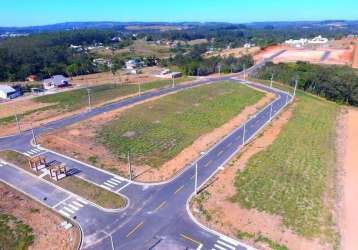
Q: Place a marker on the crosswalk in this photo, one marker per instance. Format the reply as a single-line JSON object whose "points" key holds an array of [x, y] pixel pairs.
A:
{"points": [[112, 183], [33, 152], [225, 243], [72, 207]]}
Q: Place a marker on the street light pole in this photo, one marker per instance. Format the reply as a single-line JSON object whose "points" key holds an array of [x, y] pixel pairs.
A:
{"points": [[17, 123], [89, 98], [129, 167], [294, 91], [271, 80], [139, 89], [33, 134], [244, 72], [196, 178], [219, 69], [173, 81], [271, 107]]}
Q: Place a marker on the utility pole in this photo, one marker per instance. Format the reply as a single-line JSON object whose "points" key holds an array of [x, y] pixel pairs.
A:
{"points": [[244, 72], [271, 107], [33, 134], [294, 91], [198, 72], [173, 81], [271, 80], [196, 178], [139, 89], [89, 98], [219, 69], [17, 122], [129, 167]]}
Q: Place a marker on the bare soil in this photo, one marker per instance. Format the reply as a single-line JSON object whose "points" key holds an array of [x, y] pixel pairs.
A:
{"points": [[229, 217], [78, 141], [237, 52], [355, 57], [347, 158], [47, 230]]}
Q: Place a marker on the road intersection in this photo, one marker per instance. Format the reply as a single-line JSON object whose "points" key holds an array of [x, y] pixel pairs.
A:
{"points": [[157, 216]]}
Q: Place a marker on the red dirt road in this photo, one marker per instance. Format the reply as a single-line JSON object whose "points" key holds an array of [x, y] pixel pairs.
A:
{"points": [[349, 157]]}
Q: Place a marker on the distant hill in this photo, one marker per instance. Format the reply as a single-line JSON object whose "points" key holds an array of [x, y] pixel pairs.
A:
{"points": [[150, 25]]}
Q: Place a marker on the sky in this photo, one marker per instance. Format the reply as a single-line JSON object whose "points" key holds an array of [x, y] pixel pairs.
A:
{"points": [[40, 12]]}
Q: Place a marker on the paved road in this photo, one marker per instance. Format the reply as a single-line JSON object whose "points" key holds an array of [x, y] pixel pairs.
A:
{"points": [[157, 216]]}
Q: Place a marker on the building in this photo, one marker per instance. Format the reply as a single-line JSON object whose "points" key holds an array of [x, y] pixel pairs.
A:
{"points": [[167, 73], [318, 40], [8, 92], [133, 64], [57, 81], [31, 78], [102, 61], [297, 43]]}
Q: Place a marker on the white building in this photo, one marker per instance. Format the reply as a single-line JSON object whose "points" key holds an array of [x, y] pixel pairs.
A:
{"points": [[8, 92], [297, 43], [318, 40], [57, 81], [133, 64]]}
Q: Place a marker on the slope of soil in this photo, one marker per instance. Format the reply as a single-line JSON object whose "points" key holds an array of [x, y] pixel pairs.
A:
{"points": [[348, 158], [47, 231]]}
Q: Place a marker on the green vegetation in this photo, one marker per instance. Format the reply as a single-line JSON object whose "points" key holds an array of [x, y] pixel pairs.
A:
{"points": [[78, 98], [157, 131], [90, 192], [259, 238], [199, 201], [293, 177], [76, 185], [336, 83], [14, 234]]}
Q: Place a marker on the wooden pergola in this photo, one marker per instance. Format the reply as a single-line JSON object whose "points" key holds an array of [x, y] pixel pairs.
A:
{"points": [[36, 162], [58, 171]]}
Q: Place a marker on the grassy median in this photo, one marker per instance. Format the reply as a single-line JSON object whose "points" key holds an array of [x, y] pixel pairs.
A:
{"points": [[293, 176], [157, 131], [76, 185]]}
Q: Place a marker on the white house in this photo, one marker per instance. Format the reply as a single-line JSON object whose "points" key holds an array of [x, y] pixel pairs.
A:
{"points": [[57, 81], [133, 64], [7, 92], [318, 40]]}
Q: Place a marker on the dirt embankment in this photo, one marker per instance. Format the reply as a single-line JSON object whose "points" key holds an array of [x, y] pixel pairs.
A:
{"points": [[347, 157], [48, 232], [252, 221], [355, 57], [78, 141]]}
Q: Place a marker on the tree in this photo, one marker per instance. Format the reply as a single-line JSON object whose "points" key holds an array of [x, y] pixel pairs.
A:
{"points": [[72, 70]]}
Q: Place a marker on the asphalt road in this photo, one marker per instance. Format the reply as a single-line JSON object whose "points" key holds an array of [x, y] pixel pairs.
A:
{"points": [[157, 216]]}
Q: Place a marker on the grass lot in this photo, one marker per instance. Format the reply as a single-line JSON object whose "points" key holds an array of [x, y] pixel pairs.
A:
{"points": [[157, 131], [78, 186], [294, 176], [14, 235], [78, 98]]}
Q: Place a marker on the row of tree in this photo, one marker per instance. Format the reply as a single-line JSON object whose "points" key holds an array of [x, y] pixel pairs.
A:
{"points": [[336, 83]]}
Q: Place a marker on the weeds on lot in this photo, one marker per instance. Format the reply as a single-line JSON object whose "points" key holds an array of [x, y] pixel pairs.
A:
{"points": [[199, 201], [157, 131], [259, 238], [291, 177], [14, 234]]}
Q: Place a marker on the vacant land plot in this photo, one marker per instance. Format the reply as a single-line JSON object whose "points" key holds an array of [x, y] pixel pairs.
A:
{"points": [[56, 106], [78, 186], [24, 222], [294, 177], [164, 134], [14, 234], [156, 132], [237, 52], [285, 184]]}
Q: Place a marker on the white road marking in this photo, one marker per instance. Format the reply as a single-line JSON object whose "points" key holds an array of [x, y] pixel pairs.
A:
{"points": [[69, 210], [109, 185], [82, 201], [231, 241], [73, 207], [219, 247], [26, 154], [77, 204], [64, 213], [112, 182], [116, 180], [225, 244]]}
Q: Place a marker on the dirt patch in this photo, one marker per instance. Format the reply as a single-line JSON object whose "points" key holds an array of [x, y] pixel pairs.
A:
{"points": [[237, 52], [255, 222], [19, 107], [347, 162], [45, 224], [355, 57], [84, 146], [147, 75]]}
